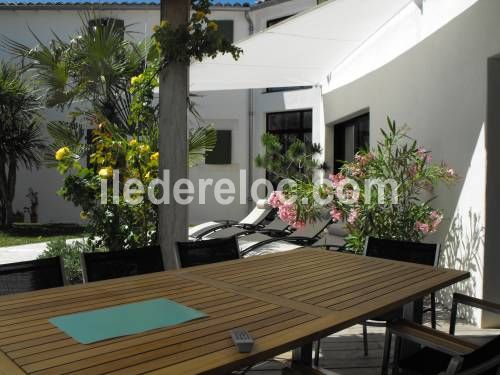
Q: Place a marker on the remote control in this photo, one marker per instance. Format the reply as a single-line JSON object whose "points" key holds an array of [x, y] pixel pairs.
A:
{"points": [[242, 340]]}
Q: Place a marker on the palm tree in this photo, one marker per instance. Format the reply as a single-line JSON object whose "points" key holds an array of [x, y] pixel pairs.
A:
{"points": [[95, 66], [20, 140]]}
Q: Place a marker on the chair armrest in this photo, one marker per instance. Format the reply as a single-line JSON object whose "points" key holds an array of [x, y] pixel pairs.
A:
{"points": [[459, 298], [483, 367], [476, 302], [431, 338]]}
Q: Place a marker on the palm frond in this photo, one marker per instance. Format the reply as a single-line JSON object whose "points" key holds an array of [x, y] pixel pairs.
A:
{"points": [[201, 140], [65, 134]]}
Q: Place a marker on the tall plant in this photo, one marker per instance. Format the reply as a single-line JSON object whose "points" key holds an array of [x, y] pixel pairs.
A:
{"points": [[354, 196], [21, 143], [93, 67], [115, 79], [298, 162]]}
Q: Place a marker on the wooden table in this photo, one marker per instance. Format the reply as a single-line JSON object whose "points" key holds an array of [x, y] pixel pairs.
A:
{"points": [[284, 300]]}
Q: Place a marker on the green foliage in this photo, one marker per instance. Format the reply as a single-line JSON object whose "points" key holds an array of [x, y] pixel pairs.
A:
{"points": [[117, 77], [406, 215], [197, 39], [70, 254], [297, 163], [95, 66], [21, 143], [201, 140]]}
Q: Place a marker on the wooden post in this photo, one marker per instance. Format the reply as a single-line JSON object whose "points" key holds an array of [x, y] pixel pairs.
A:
{"points": [[174, 88]]}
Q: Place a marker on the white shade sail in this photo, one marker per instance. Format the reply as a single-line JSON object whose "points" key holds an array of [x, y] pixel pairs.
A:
{"points": [[302, 51]]}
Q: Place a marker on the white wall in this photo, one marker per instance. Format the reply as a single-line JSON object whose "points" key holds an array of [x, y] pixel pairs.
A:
{"points": [[227, 111], [438, 88], [265, 12]]}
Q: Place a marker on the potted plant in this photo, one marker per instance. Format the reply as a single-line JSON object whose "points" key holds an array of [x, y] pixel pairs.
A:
{"points": [[385, 192]]}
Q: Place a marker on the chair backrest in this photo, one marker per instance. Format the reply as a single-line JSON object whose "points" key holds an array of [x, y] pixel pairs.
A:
{"points": [[258, 214], [276, 225], [114, 264], [405, 251], [196, 253], [485, 360], [314, 229], [31, 275]]}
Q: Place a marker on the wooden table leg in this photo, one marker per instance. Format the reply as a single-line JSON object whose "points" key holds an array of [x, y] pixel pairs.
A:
{"points": [[303, 355]]}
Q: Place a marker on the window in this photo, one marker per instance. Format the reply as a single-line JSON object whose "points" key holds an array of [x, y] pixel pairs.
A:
{"points": [[281, 89], [114, 23], [274, 21], [349, 137], [226, 28], [221, 154], [288, 127]]}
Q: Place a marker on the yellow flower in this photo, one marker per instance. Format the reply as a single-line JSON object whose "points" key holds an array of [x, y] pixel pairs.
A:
{"points": [[106, 172], [199, 15], [143, 149], [155, 156], [156, 28], [62, 153], [136, 79], [147, 176], [133, 142], [213, 26], [83, 215]]}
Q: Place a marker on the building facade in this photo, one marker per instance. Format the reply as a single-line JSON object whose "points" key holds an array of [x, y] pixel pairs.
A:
{"points": [[435, 66], [241, 116]]}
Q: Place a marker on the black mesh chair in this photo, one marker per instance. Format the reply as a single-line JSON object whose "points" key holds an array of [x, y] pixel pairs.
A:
{"points": [[404, 251], [31, 275], [197, 253], [114, 264], [443, 353]]}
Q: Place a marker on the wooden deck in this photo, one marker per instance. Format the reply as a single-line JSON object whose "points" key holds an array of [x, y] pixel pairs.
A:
{"points": [[342, 353]]}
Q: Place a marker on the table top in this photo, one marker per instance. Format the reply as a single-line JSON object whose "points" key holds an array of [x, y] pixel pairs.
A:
{"points": [[284, 300]]}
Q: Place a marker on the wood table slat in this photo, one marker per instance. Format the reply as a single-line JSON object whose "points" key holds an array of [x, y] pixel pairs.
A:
{"points": [[67, 345], [284, 300]]}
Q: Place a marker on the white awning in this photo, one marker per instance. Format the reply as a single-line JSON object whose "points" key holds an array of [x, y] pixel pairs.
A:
{"points": [[302, 51]]}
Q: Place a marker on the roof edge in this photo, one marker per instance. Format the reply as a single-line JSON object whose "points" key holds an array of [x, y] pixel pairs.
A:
{"points": [[107, 6]]}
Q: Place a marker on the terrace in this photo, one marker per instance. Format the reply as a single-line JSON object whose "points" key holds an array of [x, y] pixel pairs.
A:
{"points": [[379, 254]]}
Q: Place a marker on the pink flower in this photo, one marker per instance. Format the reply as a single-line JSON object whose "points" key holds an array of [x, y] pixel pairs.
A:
{"points": [[436, 217], [276, 199], [353, 216], [288, 213], [363, 159], [422, 227], [336, 179], [413, 170], [299, 224], [356, 171], [424, 154], [336, 214]]}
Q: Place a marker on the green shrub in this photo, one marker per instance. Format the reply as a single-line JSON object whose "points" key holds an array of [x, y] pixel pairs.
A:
{"points": [[70, 254]]}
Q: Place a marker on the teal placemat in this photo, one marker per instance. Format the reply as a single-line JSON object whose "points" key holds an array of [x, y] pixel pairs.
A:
{"points": [[96, 325]]}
